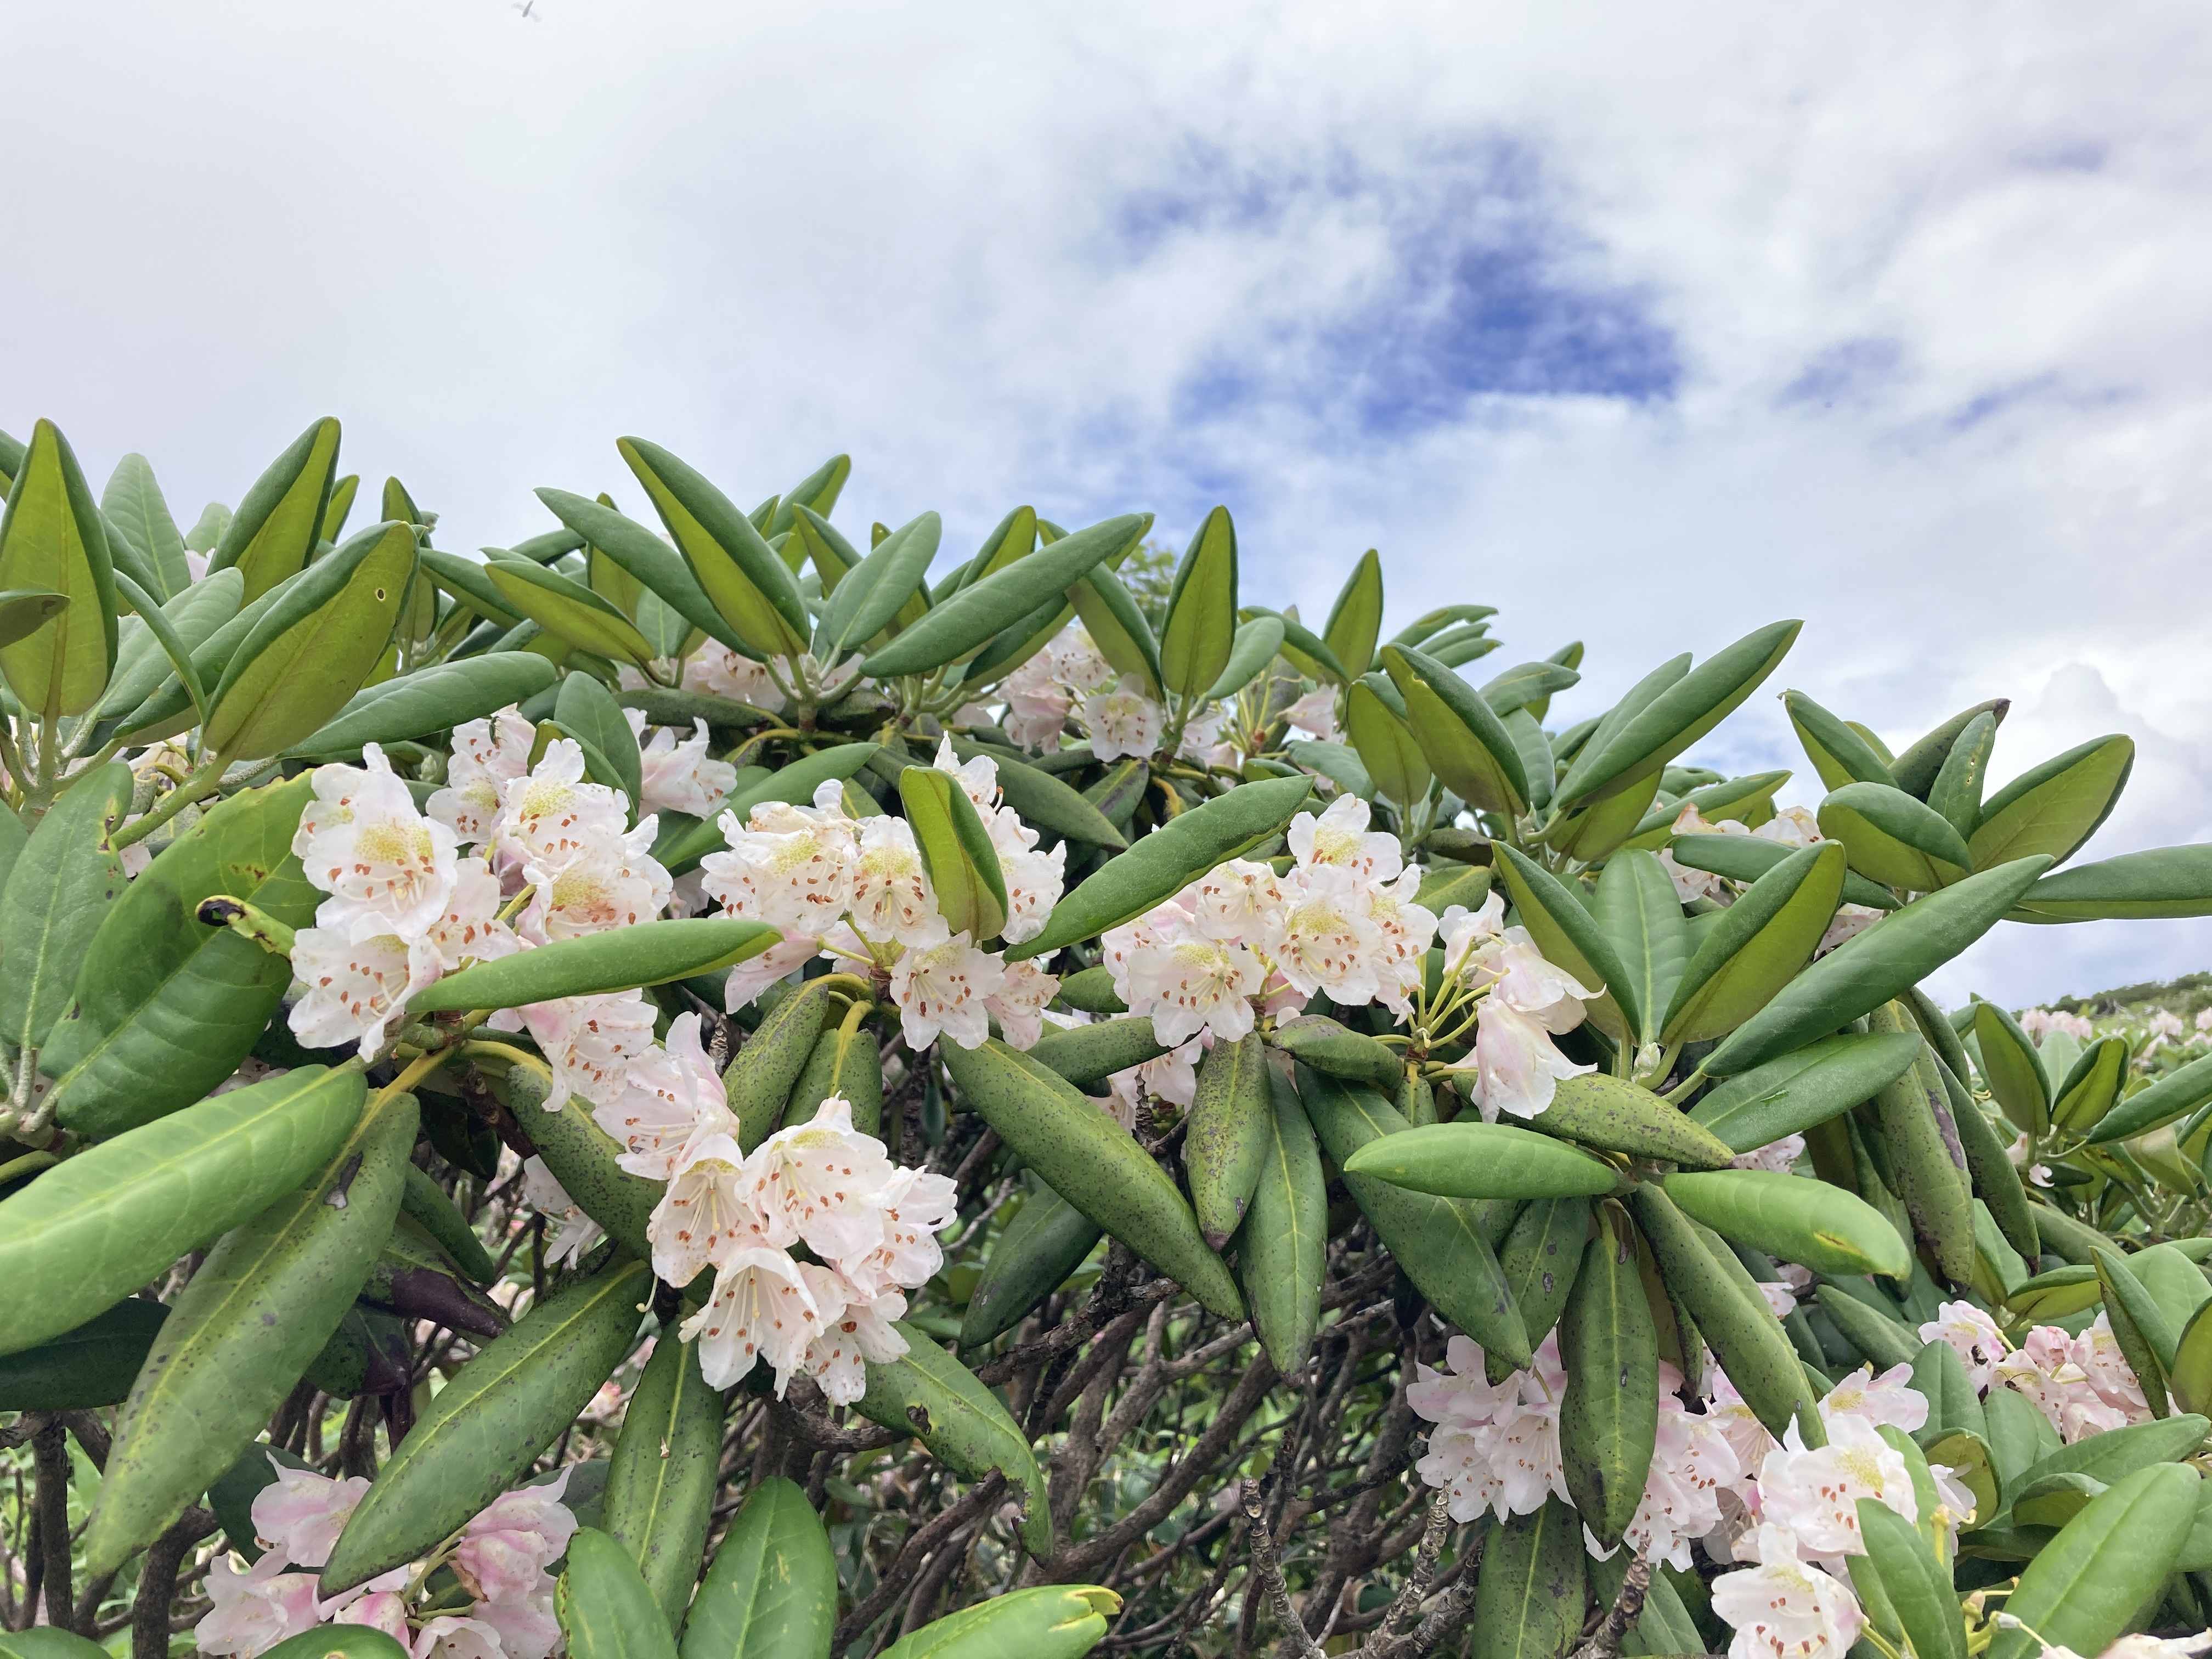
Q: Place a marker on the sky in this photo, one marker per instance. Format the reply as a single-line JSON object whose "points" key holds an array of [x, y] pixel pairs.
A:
{"points": [[1646, 325]]}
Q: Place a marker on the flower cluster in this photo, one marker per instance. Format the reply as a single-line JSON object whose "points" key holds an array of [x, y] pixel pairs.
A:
{"points": [[501, 1560], [2039, 1022], [855, 889], [1525, 1001], [1070, 679], [869, 1225], [2082, 1384]]}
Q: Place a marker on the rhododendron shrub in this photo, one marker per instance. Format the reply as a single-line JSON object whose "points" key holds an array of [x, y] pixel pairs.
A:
{"points": [[708, 1078]]}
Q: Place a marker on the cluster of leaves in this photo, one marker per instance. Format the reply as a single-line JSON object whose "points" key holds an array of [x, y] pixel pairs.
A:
{"points": [[1165, 1367]]}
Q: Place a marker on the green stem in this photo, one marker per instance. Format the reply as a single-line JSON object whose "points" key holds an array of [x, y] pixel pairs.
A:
{"points": [[198, 786], [1682, 1090]]}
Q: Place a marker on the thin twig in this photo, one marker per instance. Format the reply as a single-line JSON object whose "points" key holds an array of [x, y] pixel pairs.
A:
{"points": [[1269, 1571]]}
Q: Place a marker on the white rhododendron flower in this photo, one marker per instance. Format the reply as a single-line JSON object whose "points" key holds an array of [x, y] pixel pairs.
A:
{"points": [[609, 882], [1973, 1335], [762, 1310], [589, 1041], [943, 988], [1124, 724], [355, 989], [679, 777], [552, 816], [255, 1608], [1815, 1493], [487, 754], [301, 1513], [574, 1233], [1784, 1609], [791, 867], [707, 1213], [670, 1093], [820, 1184], [388, 870], [1889, 1398]]}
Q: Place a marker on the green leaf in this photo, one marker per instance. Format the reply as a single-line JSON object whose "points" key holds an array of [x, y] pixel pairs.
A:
{"points": [[1542, 1258], [1230, 1133], [882, 584], [569, 610], [52, 540], [1991, 1166], [977, 612], [257, 1311], [833, 557], [1838, 754], [750, 587], [1057, 1621], [655, 564], [1641, 918], [311, 649], [1014, 537], [1619, 1116], [482, 1432], [1893, 839], [1916, 1585], [2163, 882], [1446, 1246], [1046, 1240], [1757, 946], [771, 1591], [1093, 1163], [1734, 798], [1915, 770], [644, 953], [1164, 863], [1201, 616], [90, 1366], [1483, 1160], [1939, 1376], [435, 699], [62, 885], [2176, 1095], [273, 533], [425, 1201], [1793, 1218], [2090, 1086], [335, 1641], [1570, 938], [794, 783], [2010, 1068], [1882, 1340], [1676, 718], [1355, 621], [586, 711], [86, 1233], [1899, 951], [142, 664], [2053, 1296], [1747, 858], [470, 584], [1467, 744], [845, 1061], [1527, 683], [1386, 747], [581, 1156], [761, 1079], [151, 620], [340, 507], [1957, 792], [1609, 1416], [132, 505], [1285, 1247], [957, 854], [1042, 800], [1317, 1040], [1091, 1053], [1789, 1096], [660, 1486], [1534, 1587], [2189, 1376], [2055, 807], [1304, 649], [1922, 1169], [606, 1609], [167, 1005], [2089, 1585], [936, 1399], [1257, 643], [1116, 626]]}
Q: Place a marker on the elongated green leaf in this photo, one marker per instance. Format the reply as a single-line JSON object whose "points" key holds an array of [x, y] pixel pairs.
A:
{"points": [[64, 883], [311, 650], [1677, 717], [1319, 1042], [335, 1641], [1619, 1116], [1838, 754], [644, 953], [957, 854], [258, 1310], [980, 609], [846, 1062], [1792, 1218], [1165, 862], [882, 584], [1090, 1054], [1915, 770], [1466, 743], [1542, 1258], [2165, 882], [1789, 1096], [1355, 621], [760, 1079], [1042, 800], [89, 1231], [1117, 627], [1734, 798], [606, 1609], [1525, 684], [1893, 839], [660, 1486], [1747, 858], [833, 557], [1609, 1417], [52, 540], [1922, 1163], [2010, 1068], [91, 1366], [1464, 1159], [2086, 1093], [1988, 1162], [132, 505], [1091, 1162], [141, 662], [1916, 1586], [1304, 649], [341, 508], [581, 1156], [1230, 1134], [750, 587], [2175, 1094], [1957, 792], [586, 710], [2089, 1583], [933, 1397], [1533, 1587], [1058, 1621], [1758, 945], [1570, 937], [1884, 1341], [569, 610], [1257, 642], [483, 1431], [167, 1007], [1641, 918], [273, 533], [2055, 807], [435, 699], [1045, 1242], [771, 1591], [1899, 951], [1286, 1237], [1386, 747], [655, 564], [1201, 615], [168, 709]]}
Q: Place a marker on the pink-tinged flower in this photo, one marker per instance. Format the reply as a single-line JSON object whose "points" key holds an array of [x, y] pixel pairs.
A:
{"points": [[2097, 1351], [1466, 934], [509, 1543], [589, 1042], [255, 1608], [1340, 839], [1037, 705], [2019, 1154], [1233, 901], [2043, 1369], [978, 777], [1784, 1609], [1792, 827], [1851, 920], [1816, 1493], [668, 1095], [2151, 1647], [1315, 714], [552, 816], [707, 1214], [1460, 1394], [762, 1308], [1195, 985], [944, 988], [573, 1233], [2165, 1024], [1518, 1069], [386, 868], [1162, 925], [916, 1206], [821, 1182], [301, 1513], [1890, 1398], [1172, 1077], [1407, 929], [1124, 723], [1018, 1004], [1321, 939], [470, 930], [384, 1610], [1692, 1465], [1519, 976], [791, 867], [1780, 1298], [1458, 1462], [1776, 1157], [1034, 881], [890, 896], [613, 881], [779, 960], [487, 754], [526, 1625], [1735, 1421], [355, 987], [450, 1636], [680, 777], [721, 672], [859, 1332], [1973, 1336]]}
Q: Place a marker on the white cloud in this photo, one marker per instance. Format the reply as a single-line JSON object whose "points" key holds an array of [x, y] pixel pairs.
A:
{"points": [[1646, 325]]}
